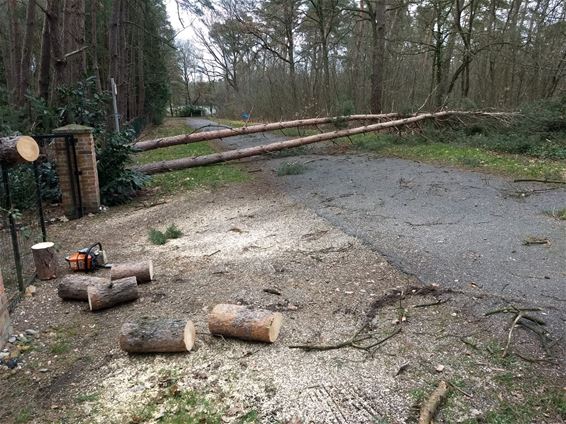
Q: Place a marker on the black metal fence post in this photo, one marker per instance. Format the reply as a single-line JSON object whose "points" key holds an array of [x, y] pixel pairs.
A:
{"points": [[41, 215], [13, 228]]}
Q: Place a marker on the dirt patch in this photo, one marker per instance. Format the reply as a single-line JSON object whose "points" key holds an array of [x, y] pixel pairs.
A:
{"points": [[252, 244]]}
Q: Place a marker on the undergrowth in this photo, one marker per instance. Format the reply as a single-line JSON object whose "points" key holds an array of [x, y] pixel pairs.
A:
{"points": [[159, 238], [291, 168]]}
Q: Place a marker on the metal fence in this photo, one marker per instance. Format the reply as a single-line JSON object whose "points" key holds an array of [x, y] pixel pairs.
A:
{"points": [[29, 194]]}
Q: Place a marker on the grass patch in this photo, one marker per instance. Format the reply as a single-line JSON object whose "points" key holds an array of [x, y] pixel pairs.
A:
{"points": [[90, 397], [62, 342], [250, 417], [156, 237], [172, 232], [24, 416], [187, 179], [557, 214], [159, 238], [182, 408], [291, 168], [419, 148]]}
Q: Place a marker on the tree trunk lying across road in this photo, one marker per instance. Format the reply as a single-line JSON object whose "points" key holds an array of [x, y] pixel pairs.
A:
{"points": [[191, 162], [74, 286], [253, 129], [102, 296], [245, 323], [157, 335], [143, 271], [14, 150]]}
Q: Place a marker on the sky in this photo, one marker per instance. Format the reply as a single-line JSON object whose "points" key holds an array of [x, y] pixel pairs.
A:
{"points": [[184, 34]]}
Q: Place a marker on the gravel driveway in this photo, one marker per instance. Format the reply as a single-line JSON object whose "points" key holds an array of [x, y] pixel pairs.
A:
{"points": [[444, 225]]}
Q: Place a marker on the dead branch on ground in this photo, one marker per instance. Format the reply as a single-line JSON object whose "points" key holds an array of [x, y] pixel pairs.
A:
{"points": [[429, 408]]}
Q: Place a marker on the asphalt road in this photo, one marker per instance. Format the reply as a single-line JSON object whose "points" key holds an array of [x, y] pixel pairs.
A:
{"points": [[448, 226]]}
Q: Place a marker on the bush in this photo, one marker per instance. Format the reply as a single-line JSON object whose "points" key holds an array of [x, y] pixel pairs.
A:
{"points": [[118, 183], [189, 110], [157, 237], [172, 232]]}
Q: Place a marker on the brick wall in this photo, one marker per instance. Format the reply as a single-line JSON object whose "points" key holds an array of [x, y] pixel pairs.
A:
{"points": [[5, 327], [86, 163]]}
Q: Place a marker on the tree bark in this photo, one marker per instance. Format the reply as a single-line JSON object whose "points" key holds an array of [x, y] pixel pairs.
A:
{"points": [[74, 286], [45, 58], [14, 150], [112, 293], [212, 135], [155, 335], [142, 271], [45, 260], [245, 323]]}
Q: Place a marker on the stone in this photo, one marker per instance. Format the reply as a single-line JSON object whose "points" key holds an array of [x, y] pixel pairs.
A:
{"points": [[30, 291], [32, 332], [12, 339]]}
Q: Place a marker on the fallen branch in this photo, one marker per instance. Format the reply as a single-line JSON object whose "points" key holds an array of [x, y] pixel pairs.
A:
{"points": [[191, 162], [429, 408], [351, 342]]}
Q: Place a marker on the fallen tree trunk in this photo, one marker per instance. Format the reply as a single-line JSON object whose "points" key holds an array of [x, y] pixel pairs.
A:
{"points": [[143, 271], [245, 323], [157, 335], [112, 293], [14, 150], [230, 132], [74, 286], [45, 260], [191, 162]]}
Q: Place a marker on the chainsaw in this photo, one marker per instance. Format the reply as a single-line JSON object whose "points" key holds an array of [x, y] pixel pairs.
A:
{"points": [[88, 259]]}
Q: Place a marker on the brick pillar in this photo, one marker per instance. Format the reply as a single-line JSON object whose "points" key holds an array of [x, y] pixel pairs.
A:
{"points": [[5, 327], [86, 163]]}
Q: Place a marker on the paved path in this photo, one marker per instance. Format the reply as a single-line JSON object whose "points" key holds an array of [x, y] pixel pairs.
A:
{"points": [[444, 225]]}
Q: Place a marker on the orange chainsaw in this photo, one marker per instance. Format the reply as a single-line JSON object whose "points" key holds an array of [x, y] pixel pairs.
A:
{"points": [[87, 259]]}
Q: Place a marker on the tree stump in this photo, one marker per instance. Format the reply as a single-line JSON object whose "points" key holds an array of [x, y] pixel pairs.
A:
{"points": [[143, 271], [147, 335], [112, 293], [245, 323], [45, 260], [74, 286], [14, 150]]}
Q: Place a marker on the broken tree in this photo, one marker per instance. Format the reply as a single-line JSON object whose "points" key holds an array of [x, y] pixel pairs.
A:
{"points": [[245, 323], [191, 162], [147, 335], [254, 129]]}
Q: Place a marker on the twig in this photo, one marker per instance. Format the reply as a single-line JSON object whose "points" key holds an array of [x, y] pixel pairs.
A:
{"points": [[272, 291], [460, 390], [515, 321], [213, 253], [428, 410], [425, 305]]}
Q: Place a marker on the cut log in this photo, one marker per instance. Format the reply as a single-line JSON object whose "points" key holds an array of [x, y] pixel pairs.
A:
{"points": [[245, 323], [112, 293], [74, 286], [45, 260], [157, 335], [191, 162], [14, 150], [253, 129], [143, 271]]}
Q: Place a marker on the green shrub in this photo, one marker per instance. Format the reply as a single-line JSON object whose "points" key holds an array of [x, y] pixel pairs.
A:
{"points": [[118, 183], [172, 232], [189, 110], [157, 237]]}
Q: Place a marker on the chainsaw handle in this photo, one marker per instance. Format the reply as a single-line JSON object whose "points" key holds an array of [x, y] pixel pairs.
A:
{"points": [[90, 250]]}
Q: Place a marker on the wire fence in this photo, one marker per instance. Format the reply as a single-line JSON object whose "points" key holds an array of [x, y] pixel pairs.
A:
{"points": [[25, 191]]}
